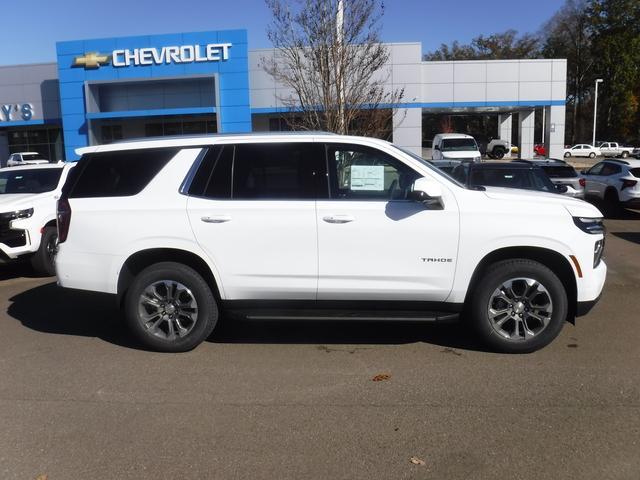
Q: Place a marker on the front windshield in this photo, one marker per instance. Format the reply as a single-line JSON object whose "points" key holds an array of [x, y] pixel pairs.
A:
{"points": [[429, 165], [29, 181], [458, 145]]}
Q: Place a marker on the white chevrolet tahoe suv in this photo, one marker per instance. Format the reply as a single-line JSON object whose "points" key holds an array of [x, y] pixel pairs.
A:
{"points": [[313, 226], [28, 197]]}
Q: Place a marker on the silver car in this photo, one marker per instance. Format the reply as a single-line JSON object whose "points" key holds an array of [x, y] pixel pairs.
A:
{"points": [[561, 173]]}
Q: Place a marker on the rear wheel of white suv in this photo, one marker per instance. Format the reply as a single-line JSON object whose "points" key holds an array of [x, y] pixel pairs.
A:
{"points": [[170, 308], [519, 306]]}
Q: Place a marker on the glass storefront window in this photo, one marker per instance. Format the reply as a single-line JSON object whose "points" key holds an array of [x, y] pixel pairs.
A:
{"points": [[47, 141]]}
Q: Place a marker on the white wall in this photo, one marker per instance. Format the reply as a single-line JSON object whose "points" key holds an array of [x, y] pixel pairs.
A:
{"points": [[510, 85]]}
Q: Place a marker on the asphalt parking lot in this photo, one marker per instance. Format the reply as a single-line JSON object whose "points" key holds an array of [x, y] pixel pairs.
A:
{"points": [[79, 400]]}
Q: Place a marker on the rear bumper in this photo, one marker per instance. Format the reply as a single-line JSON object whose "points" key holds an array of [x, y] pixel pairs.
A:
{"points": [[83, 271]]}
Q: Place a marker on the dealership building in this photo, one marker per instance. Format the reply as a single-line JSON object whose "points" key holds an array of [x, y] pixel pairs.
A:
{"points": [[103, 90]]}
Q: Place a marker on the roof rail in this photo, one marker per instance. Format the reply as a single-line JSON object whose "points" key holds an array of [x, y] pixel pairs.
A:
{"points": [[215, 135]]}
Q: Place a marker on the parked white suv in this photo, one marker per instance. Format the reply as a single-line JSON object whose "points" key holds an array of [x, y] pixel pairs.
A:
{"points": [[311, 226], [28, 197], [614, 181], [25, 158], [455, 146]]}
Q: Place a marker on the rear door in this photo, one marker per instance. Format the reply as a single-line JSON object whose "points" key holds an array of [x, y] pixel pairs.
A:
{"points": [[252, 210], [374, 243], [609, 176], [593, 180]]}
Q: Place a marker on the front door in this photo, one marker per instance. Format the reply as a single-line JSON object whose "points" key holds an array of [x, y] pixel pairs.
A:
{"points": [[252, 209], [374, 243]]}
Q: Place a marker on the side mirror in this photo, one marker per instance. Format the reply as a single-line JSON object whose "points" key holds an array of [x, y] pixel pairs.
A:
{"points": [[561, 188], [437, 147], [426, 191]]}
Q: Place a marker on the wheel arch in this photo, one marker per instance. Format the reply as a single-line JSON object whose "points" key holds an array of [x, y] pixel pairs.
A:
{"points": [[140, 260], [555, 261]]}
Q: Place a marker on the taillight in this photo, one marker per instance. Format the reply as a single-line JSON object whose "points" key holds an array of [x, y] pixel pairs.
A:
{"points": [[583, 182], [628, 183], [64, 219]]}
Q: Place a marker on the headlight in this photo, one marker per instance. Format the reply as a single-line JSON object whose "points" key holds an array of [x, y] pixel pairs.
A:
{"points": [[17, 214], [598, 250], [590, 225]]}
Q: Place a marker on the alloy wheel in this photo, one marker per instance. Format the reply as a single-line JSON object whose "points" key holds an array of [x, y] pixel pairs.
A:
{"points": [[520, 309], [167, 309]]}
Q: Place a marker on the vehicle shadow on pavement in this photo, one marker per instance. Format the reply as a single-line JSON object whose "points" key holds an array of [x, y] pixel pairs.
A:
{"points": [[17, 270], [619, 213], [51, 309], [357, 332], [633, 237]]}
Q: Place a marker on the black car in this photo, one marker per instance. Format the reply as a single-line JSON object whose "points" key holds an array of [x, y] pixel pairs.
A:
{"points": [[505, 174]]}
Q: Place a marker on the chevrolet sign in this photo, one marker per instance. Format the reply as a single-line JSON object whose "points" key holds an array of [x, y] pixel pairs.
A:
{"points": [[91, 60], [212, 52]]}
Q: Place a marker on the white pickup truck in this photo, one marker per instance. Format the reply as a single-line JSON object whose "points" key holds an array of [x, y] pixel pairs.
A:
{"points": [[614, 149]]}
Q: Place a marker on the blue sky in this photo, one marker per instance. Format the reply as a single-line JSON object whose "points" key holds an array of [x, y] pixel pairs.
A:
{"points": [[30, 28]]}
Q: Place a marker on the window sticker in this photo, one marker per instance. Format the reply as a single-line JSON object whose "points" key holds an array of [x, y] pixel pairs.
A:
{"points": [[367, 177]]}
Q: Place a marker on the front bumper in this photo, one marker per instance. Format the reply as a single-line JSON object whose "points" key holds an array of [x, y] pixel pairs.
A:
{"points": [[583, 308]]}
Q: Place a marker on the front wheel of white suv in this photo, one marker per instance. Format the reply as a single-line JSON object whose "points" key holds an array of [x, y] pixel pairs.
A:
{"points": [[43, 260], [170, 308], [519, 306]]}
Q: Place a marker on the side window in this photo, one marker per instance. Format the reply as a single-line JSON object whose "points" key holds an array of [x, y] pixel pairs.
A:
{"points": [[610, 169], [116, 174], [596, 169], [364, 173], [278, 171], [213, 178]]}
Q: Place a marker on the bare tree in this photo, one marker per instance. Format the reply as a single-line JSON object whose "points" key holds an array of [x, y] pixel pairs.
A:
{"points": [[567, 35], [329, 56]]}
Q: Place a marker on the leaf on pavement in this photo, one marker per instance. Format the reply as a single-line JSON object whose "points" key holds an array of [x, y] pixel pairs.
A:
{"points": [[417, 461], [381, 377]]}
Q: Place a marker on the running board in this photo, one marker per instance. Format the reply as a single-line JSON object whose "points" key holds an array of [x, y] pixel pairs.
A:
{"points": [[383, 316]]}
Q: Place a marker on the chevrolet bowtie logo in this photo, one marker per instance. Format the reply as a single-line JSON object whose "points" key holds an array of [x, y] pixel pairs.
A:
{"points": [[91, 60]]}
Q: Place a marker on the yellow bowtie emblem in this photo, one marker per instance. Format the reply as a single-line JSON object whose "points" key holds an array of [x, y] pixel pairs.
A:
{"points": [[91, 60]]}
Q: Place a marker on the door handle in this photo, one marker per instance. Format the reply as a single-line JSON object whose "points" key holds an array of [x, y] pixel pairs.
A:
{"points": [[216, 219], [338, 218]]}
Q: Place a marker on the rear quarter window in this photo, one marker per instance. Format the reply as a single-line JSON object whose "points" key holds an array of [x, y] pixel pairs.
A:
{"points": [[635, 172], [560, 172], [116, 174]]}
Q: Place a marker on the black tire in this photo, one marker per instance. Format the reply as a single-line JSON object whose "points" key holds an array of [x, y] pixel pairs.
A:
{"points": [[625, 154], [43, 260], [567, 154], [592, 155], [612, 206], [492, 279], [498, 152], [206, 316]]}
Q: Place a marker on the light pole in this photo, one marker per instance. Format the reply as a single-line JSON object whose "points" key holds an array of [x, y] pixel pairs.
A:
{"points": [[340, 67], [595, 112]]}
